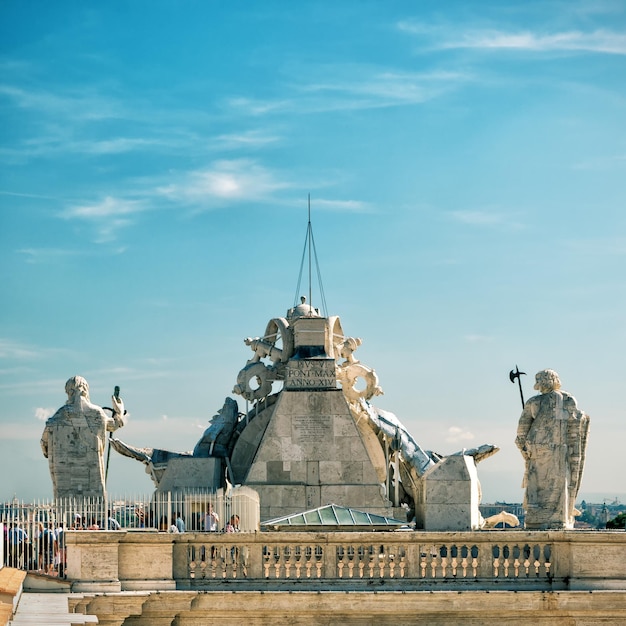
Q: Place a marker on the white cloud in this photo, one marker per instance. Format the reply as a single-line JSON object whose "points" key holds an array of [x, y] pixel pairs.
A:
{"points": [[225, 181], [43, 414], [107, 208], [344, 206], [13, 350], [597, 41], [475, 338], [16, 430], [108, 216], [354, 87], [458, 435], [75, 106], [485, 218], [44, 255], [251, 138]]}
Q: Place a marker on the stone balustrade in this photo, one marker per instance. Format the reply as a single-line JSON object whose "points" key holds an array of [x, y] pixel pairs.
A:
{"points": [[503, 560]]}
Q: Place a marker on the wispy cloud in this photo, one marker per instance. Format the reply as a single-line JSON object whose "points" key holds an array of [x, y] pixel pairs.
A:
{"points": [[355, 87], [18, 351], [108, 208], [247, 139], [74, 105], [224, 182], [107, 216], [476, 338], [13, 350], [458, 435], [602, 246], [20, 431], [485, 218], [596, 41], [343, 206]]}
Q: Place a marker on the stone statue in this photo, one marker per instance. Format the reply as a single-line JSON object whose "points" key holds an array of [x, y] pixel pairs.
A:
{"points": [[552, 437], [74, 441]]}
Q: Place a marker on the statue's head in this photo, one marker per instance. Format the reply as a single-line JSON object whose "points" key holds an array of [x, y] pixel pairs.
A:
{"points": [[77, 387], [547, 381]]}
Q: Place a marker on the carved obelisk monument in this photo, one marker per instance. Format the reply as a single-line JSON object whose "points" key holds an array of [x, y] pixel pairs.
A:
{"points": [[306, 449]]}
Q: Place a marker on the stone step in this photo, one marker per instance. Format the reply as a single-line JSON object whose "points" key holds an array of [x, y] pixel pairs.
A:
{"points": [[48, 609]]}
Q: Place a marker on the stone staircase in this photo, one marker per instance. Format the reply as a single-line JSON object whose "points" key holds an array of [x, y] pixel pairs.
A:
{"points": [[36, 600]]}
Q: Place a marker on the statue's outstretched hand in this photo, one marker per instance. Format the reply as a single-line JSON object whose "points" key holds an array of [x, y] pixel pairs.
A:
{"points": [[118, 410]]}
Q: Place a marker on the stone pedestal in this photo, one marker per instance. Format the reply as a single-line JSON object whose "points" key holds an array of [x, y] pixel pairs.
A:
{"points": [[450, 496], [189, 472]]}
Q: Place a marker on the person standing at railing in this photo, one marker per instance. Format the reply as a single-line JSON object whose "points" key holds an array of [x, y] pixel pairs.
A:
{"points": [[48, 549], [233, 525], [60, 558], [211, 520], [180, 522], [18, 538], [112, 523]]}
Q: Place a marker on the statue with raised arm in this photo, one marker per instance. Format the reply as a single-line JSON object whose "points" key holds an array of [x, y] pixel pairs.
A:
{"points": [[552, 437], [74, 442]]}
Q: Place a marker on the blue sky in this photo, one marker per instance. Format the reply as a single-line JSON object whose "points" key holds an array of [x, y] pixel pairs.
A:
{"points": [[466, 166]]}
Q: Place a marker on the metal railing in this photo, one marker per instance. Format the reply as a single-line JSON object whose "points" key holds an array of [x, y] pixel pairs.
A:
{"points": [[33, 537]]}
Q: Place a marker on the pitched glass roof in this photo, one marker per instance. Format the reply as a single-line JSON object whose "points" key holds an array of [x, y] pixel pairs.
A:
{"points": [[333, 515]]}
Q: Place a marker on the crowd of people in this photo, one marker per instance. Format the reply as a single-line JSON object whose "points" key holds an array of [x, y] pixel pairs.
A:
{"points": [[43, 550]]}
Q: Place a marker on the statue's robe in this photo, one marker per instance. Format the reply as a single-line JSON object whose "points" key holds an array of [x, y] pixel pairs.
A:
{"points": [[552, 436], [74, 441]]}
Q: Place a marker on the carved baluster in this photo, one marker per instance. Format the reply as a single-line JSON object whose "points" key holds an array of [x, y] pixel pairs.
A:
{"points": [[371, 557], [402, 561], [266, 561], [526, 562], [287, 560], [382, 558], [474, 553], [340, 555], [309, 560], [298, 561], [351, 553], [423, 563], [454, 562], [443, 556], [203, 561], [516, 562], [536, 559], [391, 555], [464, 561], [191, 560], [506, 553], [277, 561], [547, 556], [495, 551], [319, 560], [362, 555]]}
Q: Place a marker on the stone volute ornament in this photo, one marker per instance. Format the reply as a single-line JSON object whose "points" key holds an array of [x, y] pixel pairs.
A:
{"points": [[552, 437]]}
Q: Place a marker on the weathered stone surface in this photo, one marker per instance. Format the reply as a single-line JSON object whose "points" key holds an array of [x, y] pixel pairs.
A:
{"points": [[74, 442], [450, 495], [312, 439], [552, 437], [189, 472]]}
